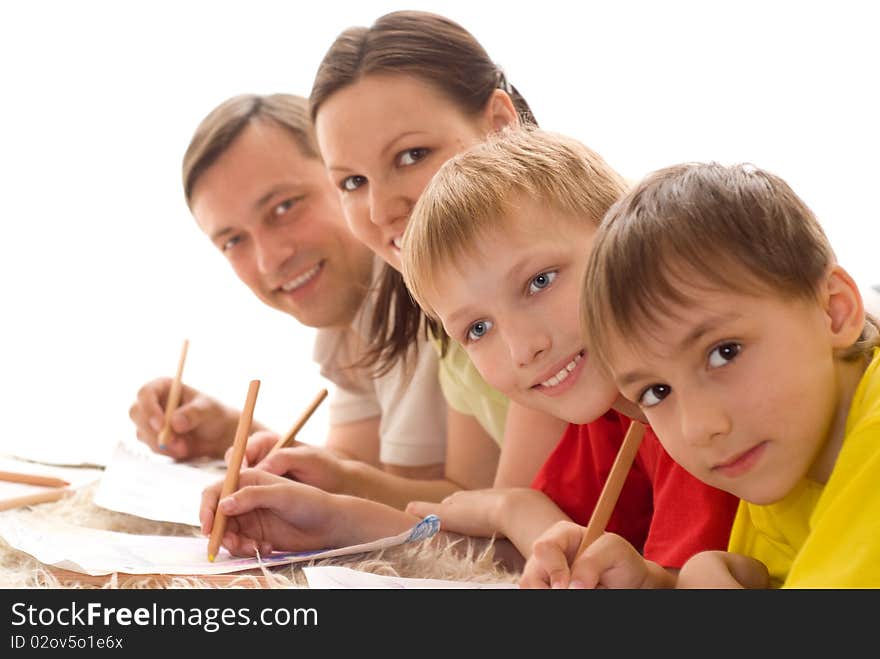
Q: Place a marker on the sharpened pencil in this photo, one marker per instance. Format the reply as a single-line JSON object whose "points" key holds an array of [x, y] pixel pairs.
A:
{"points": [[611, 490], [230, 484], [173, 396], [287, 439], [32, 479]]}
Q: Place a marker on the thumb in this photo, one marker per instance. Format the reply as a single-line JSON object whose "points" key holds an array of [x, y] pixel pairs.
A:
{"points": [[422, 508]]}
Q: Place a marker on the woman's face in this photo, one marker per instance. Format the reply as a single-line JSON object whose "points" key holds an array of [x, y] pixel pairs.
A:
{"points": [[382, 138]]}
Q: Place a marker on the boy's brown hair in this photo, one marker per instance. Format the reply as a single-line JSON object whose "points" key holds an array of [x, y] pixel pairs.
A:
{"points": [[472, 193], [736, 227]]}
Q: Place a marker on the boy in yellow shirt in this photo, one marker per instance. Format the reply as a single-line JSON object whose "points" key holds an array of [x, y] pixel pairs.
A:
{"points": [[714, 298]]}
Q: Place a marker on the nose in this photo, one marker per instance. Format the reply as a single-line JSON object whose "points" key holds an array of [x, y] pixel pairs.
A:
{"points": [[386, 206], [526, 340], [703, 417], [271, 251]]}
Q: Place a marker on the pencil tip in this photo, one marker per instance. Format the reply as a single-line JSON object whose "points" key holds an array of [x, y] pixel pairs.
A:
{"points": [[210, 558]]}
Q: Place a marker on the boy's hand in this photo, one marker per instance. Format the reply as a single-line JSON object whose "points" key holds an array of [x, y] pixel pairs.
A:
{"points": [[269, 513], [610, 562], [721, 569], [312, 465], [200, 426], [469, 512]]}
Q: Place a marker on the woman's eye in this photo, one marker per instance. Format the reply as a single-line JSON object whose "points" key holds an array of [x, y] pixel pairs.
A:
{"points": [[542, 281], [352, 183], [411, 156], [724, 354], [478, 330], [653, 395]]}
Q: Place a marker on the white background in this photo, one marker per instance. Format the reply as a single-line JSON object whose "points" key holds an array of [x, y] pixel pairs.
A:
{"points": [[104, 272]]}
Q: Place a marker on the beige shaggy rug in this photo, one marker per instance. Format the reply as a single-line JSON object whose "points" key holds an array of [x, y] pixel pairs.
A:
{"points": [[442, 557]]}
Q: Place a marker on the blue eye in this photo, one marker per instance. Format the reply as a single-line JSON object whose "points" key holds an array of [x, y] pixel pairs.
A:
{"points": [[352, 183], [478, 330], [724, 354], [654, 395], [542, 281], [411, 156]]}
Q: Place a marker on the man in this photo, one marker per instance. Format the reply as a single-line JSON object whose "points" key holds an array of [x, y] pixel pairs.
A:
{"points": [[257, 188]]}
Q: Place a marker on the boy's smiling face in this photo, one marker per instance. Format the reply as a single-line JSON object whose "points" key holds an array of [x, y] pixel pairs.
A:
{"points": [[512, 303], [742, 390]]}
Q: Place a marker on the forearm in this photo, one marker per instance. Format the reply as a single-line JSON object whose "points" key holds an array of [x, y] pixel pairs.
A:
{"points": [[523, 515], [361, 520], [369, 482]]}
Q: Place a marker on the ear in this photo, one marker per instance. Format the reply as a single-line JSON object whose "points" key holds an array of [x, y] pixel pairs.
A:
{"points": [[843, 305], [500, 111]]}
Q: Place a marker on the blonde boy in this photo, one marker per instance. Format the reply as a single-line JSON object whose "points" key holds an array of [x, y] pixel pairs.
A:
{"points": [[495, 250], [716, 301]]}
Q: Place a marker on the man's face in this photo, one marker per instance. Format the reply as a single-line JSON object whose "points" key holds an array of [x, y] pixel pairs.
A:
{"points": [[275, 216]]}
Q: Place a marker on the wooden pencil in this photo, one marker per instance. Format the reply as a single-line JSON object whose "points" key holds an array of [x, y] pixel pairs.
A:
{"points": [[287, 439], [173, 396], [32, 479], [230, 484], [611, 490], [33, 499]]}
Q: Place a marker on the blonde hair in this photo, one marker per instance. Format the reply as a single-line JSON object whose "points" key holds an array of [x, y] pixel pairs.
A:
{"points": [[472, 192], [220, 128], [736, 227]]}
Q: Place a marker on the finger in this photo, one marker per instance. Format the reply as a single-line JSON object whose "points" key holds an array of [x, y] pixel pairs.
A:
{"points": [[254, 497], [424, 508], [552, 564], [259, 444], [208, 506], [190, 415], [289, 461]]}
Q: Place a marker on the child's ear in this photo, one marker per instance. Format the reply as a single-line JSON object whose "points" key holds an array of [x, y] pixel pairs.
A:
{"points": [[844, 307], [500, 111]]}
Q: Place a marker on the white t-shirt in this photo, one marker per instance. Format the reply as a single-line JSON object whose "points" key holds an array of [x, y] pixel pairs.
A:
{"points": [[412, 429]]}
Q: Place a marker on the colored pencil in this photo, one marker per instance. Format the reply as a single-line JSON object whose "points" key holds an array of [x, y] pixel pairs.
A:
{"points": [[173, 396], [611, 490], [32, 479], [230, 484], [287, 439]]}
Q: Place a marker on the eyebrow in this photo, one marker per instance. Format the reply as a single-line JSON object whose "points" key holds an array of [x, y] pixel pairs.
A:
{"points": [[263, 198], [383, 151], [692, 336]]}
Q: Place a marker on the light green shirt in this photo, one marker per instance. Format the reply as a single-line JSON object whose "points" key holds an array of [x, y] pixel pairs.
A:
{"points": [[466, 391]]}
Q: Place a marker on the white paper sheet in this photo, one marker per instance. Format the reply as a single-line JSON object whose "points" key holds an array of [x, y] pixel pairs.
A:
{"points": [[97, 552], [142, 483], [334, 576], [76, 476]]}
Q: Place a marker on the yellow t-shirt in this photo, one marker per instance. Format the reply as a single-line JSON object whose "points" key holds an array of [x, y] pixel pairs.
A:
{"points": [[826, 536], [467, 392]]}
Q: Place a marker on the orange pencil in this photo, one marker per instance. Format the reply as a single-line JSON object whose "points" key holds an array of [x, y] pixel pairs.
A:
{"points": [[33, 499], [32, 479], [173, 396], [291, 434], [232, 472], [613, 486]]}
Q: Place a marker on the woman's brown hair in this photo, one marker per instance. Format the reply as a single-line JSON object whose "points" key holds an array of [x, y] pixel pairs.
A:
{"points": [[440, 52]]}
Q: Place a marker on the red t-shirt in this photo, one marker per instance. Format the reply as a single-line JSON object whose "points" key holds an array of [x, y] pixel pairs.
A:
{"points": [[663, 511]]}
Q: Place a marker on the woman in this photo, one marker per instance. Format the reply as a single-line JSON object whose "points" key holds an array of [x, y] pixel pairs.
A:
{"points": [[391, 103]]}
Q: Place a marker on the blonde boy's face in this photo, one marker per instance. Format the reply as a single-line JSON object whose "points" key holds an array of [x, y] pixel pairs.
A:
{"points": [[740, 391], [513, 305]]}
